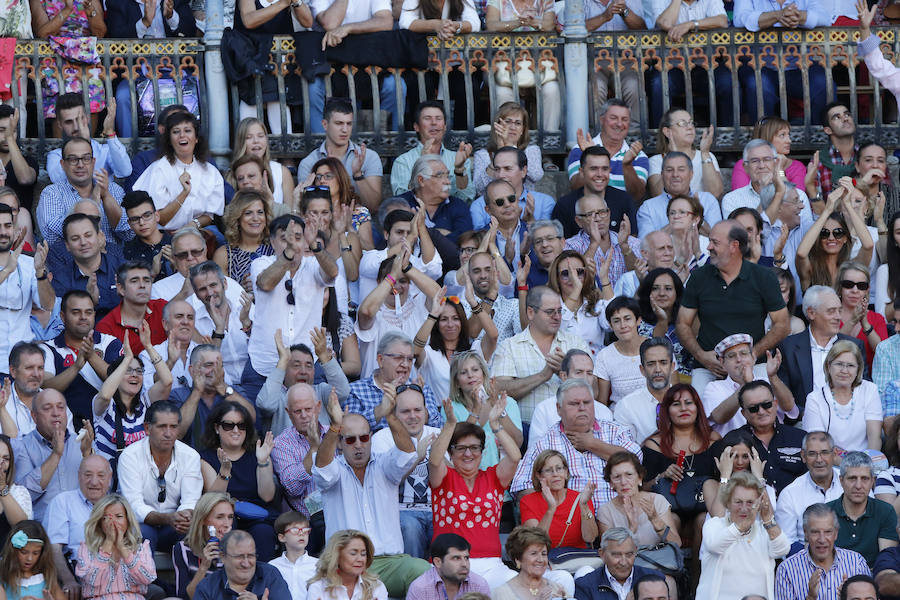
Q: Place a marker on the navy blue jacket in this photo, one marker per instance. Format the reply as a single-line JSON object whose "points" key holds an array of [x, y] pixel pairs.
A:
{"points": [[595, 585], [796, 369]]}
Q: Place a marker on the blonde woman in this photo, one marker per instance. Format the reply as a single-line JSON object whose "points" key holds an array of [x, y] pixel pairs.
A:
{"points": [[252, 137], [247, 220], [343, 570], [196, 556], [114, 561]]}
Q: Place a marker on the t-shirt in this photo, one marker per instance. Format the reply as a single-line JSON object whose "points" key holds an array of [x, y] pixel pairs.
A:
{"points": [[845, 422], [474, 515], [132, 427], [533, 506], [622, 372]]}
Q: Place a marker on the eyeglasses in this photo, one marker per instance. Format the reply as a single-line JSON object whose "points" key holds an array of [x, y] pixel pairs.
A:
{"points": [[473, 449], [680, 213], [860, 285], [289, 286], [683, 123], [843, 366], [140, 218], [552, 311], [134, 371], [546, 240], [813, 455], [512, 122], [161, 482], [838, 233], [242, 557], [402, 358], [324, 176], [762, 405], [440, 175], [79, 160], [755, 162], [229, 426], [298, 530], [468, 250], [195, 253], [505, 200], [409, 386], [552, 470], [318, 188], [595, 214], [566, 273], [351, 439]]}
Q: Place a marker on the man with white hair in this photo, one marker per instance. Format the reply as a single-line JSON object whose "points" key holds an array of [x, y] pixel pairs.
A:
{"points": [[803, 354], [759, 162], [615, 580], [658, 250], [430, 185], [781, 207], [178, 321]]}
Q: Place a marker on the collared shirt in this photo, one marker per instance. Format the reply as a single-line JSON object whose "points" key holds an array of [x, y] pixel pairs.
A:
{"points": [[504, 313], [782, 456], [69, 276], [407, 320], [543, 208], [888, 560], [581, 241], [737, 307], [747, 12], [792, 575], [57, 201], [886, 365], [317, 591], [545, 417], [747, 197], [234, 346], [694, 11], [161, 181], [272, 398], [621, 590], [716, 392], [296, 573], [288, 454], [80, 393], [796, 497], [137, 249], [770, 234], [818, 359], [156, 29], [111, 156], [138, 476], [430, 586], [652, 213], [215, 585], [878, 521], [17, 295], [637, 411], [365, 396], [31, 451], [401, 171], [584, 467], [371, 165], [112, 324], [21, 414], [370, 506], [594, 8], [641, 163], [181, 376], [65, 519], [294, 320], [519, 356]]}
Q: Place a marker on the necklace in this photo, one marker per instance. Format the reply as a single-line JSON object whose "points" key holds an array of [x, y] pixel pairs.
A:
{"points": [[840, 410], [689, 465]]}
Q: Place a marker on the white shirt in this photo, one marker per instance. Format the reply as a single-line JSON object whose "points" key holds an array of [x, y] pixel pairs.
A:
{"points": [[234, 346], [296, 574], [590, 328], [796, 497], [370, 507], [699, 9], [637, 411], [748, 197], [435, 369], [627, 285], [770, 234], [593, 8], [656, 160], [383, 442], [407, 320], [652, 216], [622, 372], [17, 295], [156, 29], [621, 590], [546, 416], [372, 259], [412, 10], [845, 423], [294, 320], [357, 10], [818, 354], [716, 392], [138, 474], [181, 376], [317, 591], [169, 287], [207, 195]]}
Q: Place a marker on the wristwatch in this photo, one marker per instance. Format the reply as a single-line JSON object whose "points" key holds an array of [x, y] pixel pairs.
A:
{"points": [[625, 12], [229, 391]]}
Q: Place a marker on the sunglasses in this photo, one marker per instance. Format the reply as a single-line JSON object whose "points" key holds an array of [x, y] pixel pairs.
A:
{"points": [[161, 482], [409, 386], [566, 273], [452, 299], [289, 286], [838, 233], [351, 439], [317, 188], [505, 200], [195, 253], [860, 285], [228, 426], [762, 405]]}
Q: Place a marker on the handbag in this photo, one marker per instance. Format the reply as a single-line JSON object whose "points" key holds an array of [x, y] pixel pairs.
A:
{"points": [[688, 496], [571, 559], [664, 556]]}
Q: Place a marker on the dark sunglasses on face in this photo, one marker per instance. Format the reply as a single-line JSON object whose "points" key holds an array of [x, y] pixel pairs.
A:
{"points": [[289, 286], [762, 405], [860, 285], [317, 188], [228, 426], [838, 233], [505, 200], [351, 439]]}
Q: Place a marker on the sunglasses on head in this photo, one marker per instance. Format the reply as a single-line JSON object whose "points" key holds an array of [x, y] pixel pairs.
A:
{"points": [[228, 425], [452, 299], [351, 439], [860, 285], [409, 386], [838, 233], [762, 405], [289, 286], [511, 199]]}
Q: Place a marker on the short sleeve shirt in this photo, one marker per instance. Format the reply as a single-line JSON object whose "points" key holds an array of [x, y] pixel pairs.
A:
{"points": [[475, 515], [357, 10], [861, 535]]}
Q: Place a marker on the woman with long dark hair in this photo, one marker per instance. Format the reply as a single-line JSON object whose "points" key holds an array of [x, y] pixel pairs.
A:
{"points": [[572, 277], [330, 172], [659, 297], [341, 336], [443, 18]]}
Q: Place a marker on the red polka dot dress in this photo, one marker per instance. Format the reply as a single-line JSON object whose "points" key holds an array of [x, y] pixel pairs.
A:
{"points": [[474, 514]]}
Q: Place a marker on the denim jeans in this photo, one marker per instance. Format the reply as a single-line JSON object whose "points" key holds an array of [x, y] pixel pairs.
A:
{"points": [[417, 530], [793, 85], [388, 96]]}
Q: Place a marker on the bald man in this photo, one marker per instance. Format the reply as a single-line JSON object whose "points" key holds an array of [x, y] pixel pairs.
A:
{"points": [[47, 460]]}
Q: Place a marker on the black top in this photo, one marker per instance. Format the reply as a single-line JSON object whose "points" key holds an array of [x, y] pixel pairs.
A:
{"points": [[782, 456], [137, 249], [280, 24], [242, 485], [618, 202], [655, 462], [25, 193]]}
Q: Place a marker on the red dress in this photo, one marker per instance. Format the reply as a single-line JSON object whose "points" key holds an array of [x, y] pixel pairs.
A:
{"points": [[877, 322], [533, 506], [475, 514]]}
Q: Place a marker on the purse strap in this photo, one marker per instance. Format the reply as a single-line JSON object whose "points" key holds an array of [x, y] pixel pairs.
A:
{"points": [[568, 522]]}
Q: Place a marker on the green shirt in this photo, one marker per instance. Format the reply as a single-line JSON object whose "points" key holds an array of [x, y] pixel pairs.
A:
{"points": [[879, 521], [738, 307]]}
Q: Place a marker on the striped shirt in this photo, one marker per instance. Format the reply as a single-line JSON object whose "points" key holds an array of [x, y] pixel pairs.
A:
{"points": [[886, 366], [581, 241], [792, 575], [132, 427], [288, 454], [641, 164], [888, 482]]}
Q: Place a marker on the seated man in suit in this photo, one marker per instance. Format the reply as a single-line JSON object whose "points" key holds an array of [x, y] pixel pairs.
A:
{"points": [[803, 354], [618, 550]]}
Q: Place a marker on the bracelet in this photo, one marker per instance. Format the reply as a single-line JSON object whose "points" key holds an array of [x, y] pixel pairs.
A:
{"points": [[346, 248], [264, 465], [723, 480], [522, 288], [407, 268], [459, 172], [390, 278], [224, 477], [431, 316], [603, 285], [418, 343], [334, 429], [477, 309], [319, 247], [880, 232], [42, 277], [284, 254], [158, 360], [197, 223], [217, 336], [358, 177], [769, 525], [498, 430], [869, 331]]}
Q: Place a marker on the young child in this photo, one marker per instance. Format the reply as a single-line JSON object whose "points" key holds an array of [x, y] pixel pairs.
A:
{"points": [[296, 566], [26, 566]]}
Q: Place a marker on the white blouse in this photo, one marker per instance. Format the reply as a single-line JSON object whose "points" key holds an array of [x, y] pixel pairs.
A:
{"points": [[317, 591], [845, 423], [160, 180], [590, 328], [412, 11]]}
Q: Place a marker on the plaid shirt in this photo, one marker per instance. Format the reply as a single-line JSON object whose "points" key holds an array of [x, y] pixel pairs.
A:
{"points": [[890, 400], [430, 586], [580, 242], [287, 458], [823, 178], [886, 365], [792, 576], [365, 396], [584, 467]]}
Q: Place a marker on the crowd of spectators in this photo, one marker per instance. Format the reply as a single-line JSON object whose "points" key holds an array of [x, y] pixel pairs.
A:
{"points": [[277, 382]]}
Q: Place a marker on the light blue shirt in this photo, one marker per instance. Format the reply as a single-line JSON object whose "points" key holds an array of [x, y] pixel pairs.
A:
{"points": [[17, 295], [652, 216], [543, 209], [747, 12], [65, 519], [403, 165], [111, 156], [31, 451]]}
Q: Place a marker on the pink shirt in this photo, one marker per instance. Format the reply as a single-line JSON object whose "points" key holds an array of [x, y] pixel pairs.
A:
{"points": [[102, 579]]}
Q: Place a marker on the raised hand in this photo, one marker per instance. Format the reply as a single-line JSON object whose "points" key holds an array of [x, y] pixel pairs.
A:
{"points": [[528, 214], [524, 269], [40, 256], [632, 153], [866, 16], [462, 155], [319, 341], [449, 415], [359, 161], [725, 463], [586, 494], [706, 140], [185, 180], [584, 141], [109, 122], [92, 289], [812, 169], [224, 462], [5, 389], [757, 465], [548, 496], [264, 448], [87, 441], [773, 362], [335, 413], [143, 335]]}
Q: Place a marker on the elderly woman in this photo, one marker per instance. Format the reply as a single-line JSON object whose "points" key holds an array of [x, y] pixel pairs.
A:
{"points": [[677, 133], [343, 570], [846, 406], [739, 550], [196, 556], [566, 515], [852, 285], [647, 515], [572, 277], [247, 220], [528, 547], [510, 128]]}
